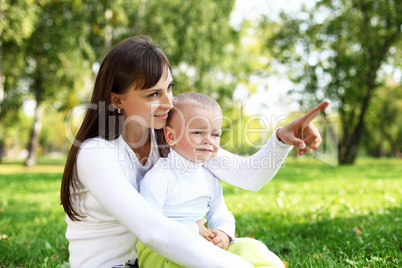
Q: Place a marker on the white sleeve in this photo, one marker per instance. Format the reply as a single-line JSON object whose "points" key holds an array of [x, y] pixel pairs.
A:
{"points": [[252, 172], [155, 188], [218, 215], [100, 172]]}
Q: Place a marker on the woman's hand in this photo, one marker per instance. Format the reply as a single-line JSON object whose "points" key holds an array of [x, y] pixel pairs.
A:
{"points": [[221, 239], [203, 231], [301, 133]]}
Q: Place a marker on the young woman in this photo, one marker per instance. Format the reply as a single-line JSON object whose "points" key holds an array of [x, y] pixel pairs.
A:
{"points": [[120, 139]]}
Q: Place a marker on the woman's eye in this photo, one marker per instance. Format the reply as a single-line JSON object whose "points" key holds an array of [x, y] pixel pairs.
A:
{"points": [[153, 95], [171, 86]]}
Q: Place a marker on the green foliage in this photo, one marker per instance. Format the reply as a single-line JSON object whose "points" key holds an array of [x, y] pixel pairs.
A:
{"points": [[195, 35], [15, 133], [17, 20], [197, 38], [336, 51], [311, 214], [243, 134], [383, 128], [52, 138], [55, 54], [16, 25], [45, 63], [43, 51], [51, 62]]}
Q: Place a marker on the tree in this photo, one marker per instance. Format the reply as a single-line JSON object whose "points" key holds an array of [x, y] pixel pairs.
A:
{"points": [[383, 127], [195, 35], [51, 59], [67, 37], [196, 39], [16, 21], [335, 51], [204, 50]]}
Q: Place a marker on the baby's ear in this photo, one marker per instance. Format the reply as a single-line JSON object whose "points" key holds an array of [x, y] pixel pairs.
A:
{"points": [[170, 135]]}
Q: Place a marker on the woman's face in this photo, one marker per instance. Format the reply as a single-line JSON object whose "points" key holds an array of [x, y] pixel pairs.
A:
{"points": [[149, 107]]}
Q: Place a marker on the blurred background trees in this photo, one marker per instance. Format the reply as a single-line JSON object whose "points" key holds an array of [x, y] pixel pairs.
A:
{"points": [[346, 51]]}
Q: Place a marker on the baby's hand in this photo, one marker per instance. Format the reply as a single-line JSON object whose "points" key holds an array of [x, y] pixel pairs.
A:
{"points": [[221, 239], [204, 232]]}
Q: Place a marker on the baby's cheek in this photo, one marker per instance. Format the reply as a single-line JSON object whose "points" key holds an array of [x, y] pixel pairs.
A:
{"points": [[217, 143]]}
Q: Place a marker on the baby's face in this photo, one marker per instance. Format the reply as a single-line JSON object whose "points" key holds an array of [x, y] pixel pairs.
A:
{"points": [[199, 135]]}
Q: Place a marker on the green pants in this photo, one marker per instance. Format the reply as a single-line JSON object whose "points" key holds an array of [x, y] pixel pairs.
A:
{"points": [[253, 251]]}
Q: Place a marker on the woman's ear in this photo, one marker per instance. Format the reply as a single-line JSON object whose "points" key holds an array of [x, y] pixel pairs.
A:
{"points": [[115, 100], [170, 135]]}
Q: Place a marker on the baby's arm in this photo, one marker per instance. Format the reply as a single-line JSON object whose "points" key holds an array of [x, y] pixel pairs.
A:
{"points": [[221, 239], [204, 232], [155, 188], [252, 172], [220, 219]]}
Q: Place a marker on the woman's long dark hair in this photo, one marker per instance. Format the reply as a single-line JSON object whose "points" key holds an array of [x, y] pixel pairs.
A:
{"points": [[134, 62]]}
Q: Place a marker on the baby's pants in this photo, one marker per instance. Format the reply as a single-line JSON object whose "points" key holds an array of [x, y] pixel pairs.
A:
{"points": [[253, 251]]}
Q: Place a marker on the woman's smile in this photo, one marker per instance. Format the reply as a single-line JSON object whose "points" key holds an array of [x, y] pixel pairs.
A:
{"points": [[162, 116]]}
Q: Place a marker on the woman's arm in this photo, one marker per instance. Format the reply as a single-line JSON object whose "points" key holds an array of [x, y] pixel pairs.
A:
{"points": [[100, 172]]}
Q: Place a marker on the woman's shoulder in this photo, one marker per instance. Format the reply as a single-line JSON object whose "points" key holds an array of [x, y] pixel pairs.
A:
{"points": [[98, 142], [100, 148]]}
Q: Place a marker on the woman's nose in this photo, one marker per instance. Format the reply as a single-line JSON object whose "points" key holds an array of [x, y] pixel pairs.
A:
{"points": [[167, 102]]}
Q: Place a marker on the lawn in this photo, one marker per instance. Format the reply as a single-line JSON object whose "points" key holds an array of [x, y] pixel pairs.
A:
{"points": [[311, 214]]}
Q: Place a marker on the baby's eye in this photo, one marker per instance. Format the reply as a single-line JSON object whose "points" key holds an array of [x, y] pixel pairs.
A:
{"points": [[216, 135], [197, 132]]}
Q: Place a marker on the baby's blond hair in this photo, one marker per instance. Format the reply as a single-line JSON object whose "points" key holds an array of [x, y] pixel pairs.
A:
{"points": [[194, 99]]}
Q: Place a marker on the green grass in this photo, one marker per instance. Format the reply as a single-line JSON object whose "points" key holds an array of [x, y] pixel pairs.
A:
{"points": [[311, 214], [32, 223], [315, 215]]}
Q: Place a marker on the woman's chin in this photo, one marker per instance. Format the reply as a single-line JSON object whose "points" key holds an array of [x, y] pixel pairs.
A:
{"points": [[158, 126]]}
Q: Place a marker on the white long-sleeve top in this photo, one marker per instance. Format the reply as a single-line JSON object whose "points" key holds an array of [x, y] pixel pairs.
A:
{"points": [[117, 215], [186, 192]]}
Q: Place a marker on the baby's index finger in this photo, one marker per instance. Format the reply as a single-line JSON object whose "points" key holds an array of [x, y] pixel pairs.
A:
{"points": [[313, 113]]}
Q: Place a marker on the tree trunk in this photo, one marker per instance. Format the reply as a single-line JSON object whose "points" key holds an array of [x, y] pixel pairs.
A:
{"points": [[34, 138], [345, 155], [2, 78], [348, 147]]}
